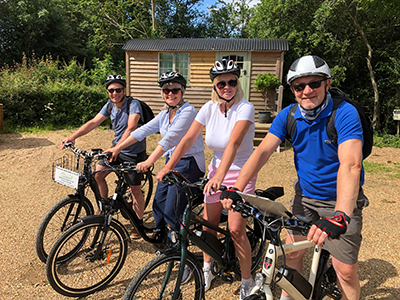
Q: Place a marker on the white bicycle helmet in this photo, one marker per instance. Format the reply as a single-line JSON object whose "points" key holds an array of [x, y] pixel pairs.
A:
{"points": [[224, 66], [172, 76], [307, 66], [115, 78]]}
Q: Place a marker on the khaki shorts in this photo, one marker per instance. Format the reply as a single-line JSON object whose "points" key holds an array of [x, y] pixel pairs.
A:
{"points": [[346, 248]]}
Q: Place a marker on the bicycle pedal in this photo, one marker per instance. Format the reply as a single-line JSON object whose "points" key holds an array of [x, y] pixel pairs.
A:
{"points": [[332, 292], [227, 278]]}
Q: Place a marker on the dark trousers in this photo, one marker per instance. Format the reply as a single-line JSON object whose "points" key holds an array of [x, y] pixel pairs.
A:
{"points": [[165, 210]]}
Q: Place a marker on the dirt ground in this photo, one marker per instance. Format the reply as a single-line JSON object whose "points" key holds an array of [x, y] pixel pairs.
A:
{"points": [[27, 192]]}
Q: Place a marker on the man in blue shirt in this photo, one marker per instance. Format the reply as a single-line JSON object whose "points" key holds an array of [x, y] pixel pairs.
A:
{"points": [[329, 176], [124, 120]]}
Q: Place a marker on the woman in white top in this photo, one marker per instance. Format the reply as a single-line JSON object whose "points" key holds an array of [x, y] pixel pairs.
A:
{"points": [[172, 122], [229, 122]]}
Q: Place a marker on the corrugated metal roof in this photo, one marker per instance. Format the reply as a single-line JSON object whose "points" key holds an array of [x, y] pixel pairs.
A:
{"points": [[188, 44]]}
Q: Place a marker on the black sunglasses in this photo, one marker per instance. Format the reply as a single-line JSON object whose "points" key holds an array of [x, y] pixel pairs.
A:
{"points": [[119, 90], [313, 85], [221, 84], [174, 91]]}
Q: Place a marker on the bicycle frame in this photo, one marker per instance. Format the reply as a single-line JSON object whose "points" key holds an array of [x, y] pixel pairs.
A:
{"points": [[269, 269]]}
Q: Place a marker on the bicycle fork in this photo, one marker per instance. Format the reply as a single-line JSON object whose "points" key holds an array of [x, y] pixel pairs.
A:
{"points": [[101, 233]]}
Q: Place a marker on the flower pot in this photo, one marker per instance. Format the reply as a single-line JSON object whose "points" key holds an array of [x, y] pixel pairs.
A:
{"points": [[264, 117]]}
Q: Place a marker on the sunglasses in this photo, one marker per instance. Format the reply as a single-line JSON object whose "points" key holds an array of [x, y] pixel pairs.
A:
{"points": [[313, 85], [115, 90], [174, 91], [221, 84]]}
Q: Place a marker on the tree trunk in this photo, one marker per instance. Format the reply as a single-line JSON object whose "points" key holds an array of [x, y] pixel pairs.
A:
{"points": [[375, 119], [153, 14]]}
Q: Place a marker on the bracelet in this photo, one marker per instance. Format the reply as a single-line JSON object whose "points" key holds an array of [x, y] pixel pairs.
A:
{"points": [[339, 212], [235, 189]]}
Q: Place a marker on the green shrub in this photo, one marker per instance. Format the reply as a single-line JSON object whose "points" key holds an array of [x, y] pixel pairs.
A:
{"points": [[50, 92]]}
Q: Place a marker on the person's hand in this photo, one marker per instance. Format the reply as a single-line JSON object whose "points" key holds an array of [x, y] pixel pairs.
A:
{"points": [[67, 140], [229, 197], [212, 185], [161, 174], [330, 228], [114, 153], [144, 165]]}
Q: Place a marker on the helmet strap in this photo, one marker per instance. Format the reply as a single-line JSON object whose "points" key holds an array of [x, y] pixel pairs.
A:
{"points": [[180, 104], [226, 100]]}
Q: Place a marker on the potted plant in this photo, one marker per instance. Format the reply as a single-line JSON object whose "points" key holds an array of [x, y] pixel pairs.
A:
{"points": [[266, 83]]}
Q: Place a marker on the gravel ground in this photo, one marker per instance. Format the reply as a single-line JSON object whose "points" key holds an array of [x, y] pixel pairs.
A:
{"points": [[27, 193]]}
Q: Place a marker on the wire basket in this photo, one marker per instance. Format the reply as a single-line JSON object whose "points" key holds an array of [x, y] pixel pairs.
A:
{"points": [[69, 161]]}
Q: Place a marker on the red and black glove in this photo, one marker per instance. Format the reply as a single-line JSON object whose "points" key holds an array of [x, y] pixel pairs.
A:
{"points": [[335, 226], [230, 193]]}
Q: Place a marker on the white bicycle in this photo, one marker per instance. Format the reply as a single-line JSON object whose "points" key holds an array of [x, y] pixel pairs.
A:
{"points": [[321, 283]]}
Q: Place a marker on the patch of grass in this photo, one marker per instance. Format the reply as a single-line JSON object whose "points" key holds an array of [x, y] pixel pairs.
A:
{"points": [[392, 170], [387, 140], [388, 201]]}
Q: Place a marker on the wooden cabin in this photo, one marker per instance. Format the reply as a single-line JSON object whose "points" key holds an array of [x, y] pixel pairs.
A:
{"points": [[146, 59]]}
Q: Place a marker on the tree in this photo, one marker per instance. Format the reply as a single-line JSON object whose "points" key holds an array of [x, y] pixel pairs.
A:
{"points": [[352, 36], [228, 20], [179, 19]]}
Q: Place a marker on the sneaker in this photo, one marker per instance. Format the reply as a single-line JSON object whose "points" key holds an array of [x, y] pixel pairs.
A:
{"points": [[135, 234], [208, 278], [246, 290], [187, 274]]}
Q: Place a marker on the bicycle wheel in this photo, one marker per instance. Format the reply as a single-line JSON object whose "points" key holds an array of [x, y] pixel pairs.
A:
{"points": [[77, 271], [254, 230], [147, 187], [157, 279], [56, 221]]}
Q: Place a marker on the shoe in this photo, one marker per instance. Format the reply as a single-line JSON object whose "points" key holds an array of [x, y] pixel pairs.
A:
{"points": [[187, 274], [135, 234], [208, 278], [246, 290]]}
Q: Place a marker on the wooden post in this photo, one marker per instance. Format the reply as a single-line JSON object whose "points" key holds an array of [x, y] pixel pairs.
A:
{"points": [[1, 117]]}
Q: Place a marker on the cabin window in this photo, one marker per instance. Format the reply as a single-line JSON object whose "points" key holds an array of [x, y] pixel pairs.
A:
{"points": [[174, 62]]}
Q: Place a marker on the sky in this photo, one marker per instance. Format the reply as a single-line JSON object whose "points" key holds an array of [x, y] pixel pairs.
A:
{"points": [[211, 2]]}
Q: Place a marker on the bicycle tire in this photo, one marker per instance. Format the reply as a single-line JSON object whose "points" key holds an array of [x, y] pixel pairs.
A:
{"points": [[148, 282], [50, 228], [77, 275], [147, 187]]}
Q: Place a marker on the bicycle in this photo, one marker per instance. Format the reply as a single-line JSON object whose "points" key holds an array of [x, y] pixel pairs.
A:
{"points": [[322, 277], [161, 277], [92, 252], [69, 170]]}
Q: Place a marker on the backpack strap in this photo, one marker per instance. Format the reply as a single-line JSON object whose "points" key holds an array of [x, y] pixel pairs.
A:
{"points": [[291, 122]]}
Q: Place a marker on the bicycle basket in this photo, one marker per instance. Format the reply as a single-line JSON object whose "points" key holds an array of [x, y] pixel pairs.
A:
{"points": [[67, 169]]}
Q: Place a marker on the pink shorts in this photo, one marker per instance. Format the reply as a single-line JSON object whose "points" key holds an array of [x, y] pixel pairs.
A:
{"points": [[229, 180]]}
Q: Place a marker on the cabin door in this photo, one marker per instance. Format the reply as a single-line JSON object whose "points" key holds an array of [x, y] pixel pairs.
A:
{"points": [[243, 60]]}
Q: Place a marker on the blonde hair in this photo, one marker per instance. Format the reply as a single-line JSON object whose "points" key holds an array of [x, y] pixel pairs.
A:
{"points": [[239, 91]]}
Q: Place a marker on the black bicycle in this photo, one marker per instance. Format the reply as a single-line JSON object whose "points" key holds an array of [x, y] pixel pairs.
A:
{"points": [[76, 170], [161, 278]]}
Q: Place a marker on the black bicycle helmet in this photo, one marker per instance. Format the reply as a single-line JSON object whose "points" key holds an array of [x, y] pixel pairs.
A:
{"points": [[224, 66], [115, 79], [307, 66], [172, 76]]}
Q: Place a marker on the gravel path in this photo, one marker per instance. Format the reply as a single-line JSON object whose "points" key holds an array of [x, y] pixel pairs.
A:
{"points": [[27, 192]]}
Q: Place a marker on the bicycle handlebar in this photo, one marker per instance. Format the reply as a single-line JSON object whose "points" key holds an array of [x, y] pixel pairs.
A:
{"points": [[175, 177], [95, 152]]}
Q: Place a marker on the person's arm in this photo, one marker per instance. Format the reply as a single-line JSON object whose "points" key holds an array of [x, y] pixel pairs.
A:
{"points": [[184, 145], [348, 184], [121, 145], [254, 164], [154, 156], [84, 129]]}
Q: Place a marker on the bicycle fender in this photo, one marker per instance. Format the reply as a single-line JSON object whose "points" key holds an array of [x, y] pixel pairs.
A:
{"points": [[100, 219]]}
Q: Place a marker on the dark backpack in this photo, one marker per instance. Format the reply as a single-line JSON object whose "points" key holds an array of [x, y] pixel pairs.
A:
{"points": [[146, 116], [338, 97]]}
